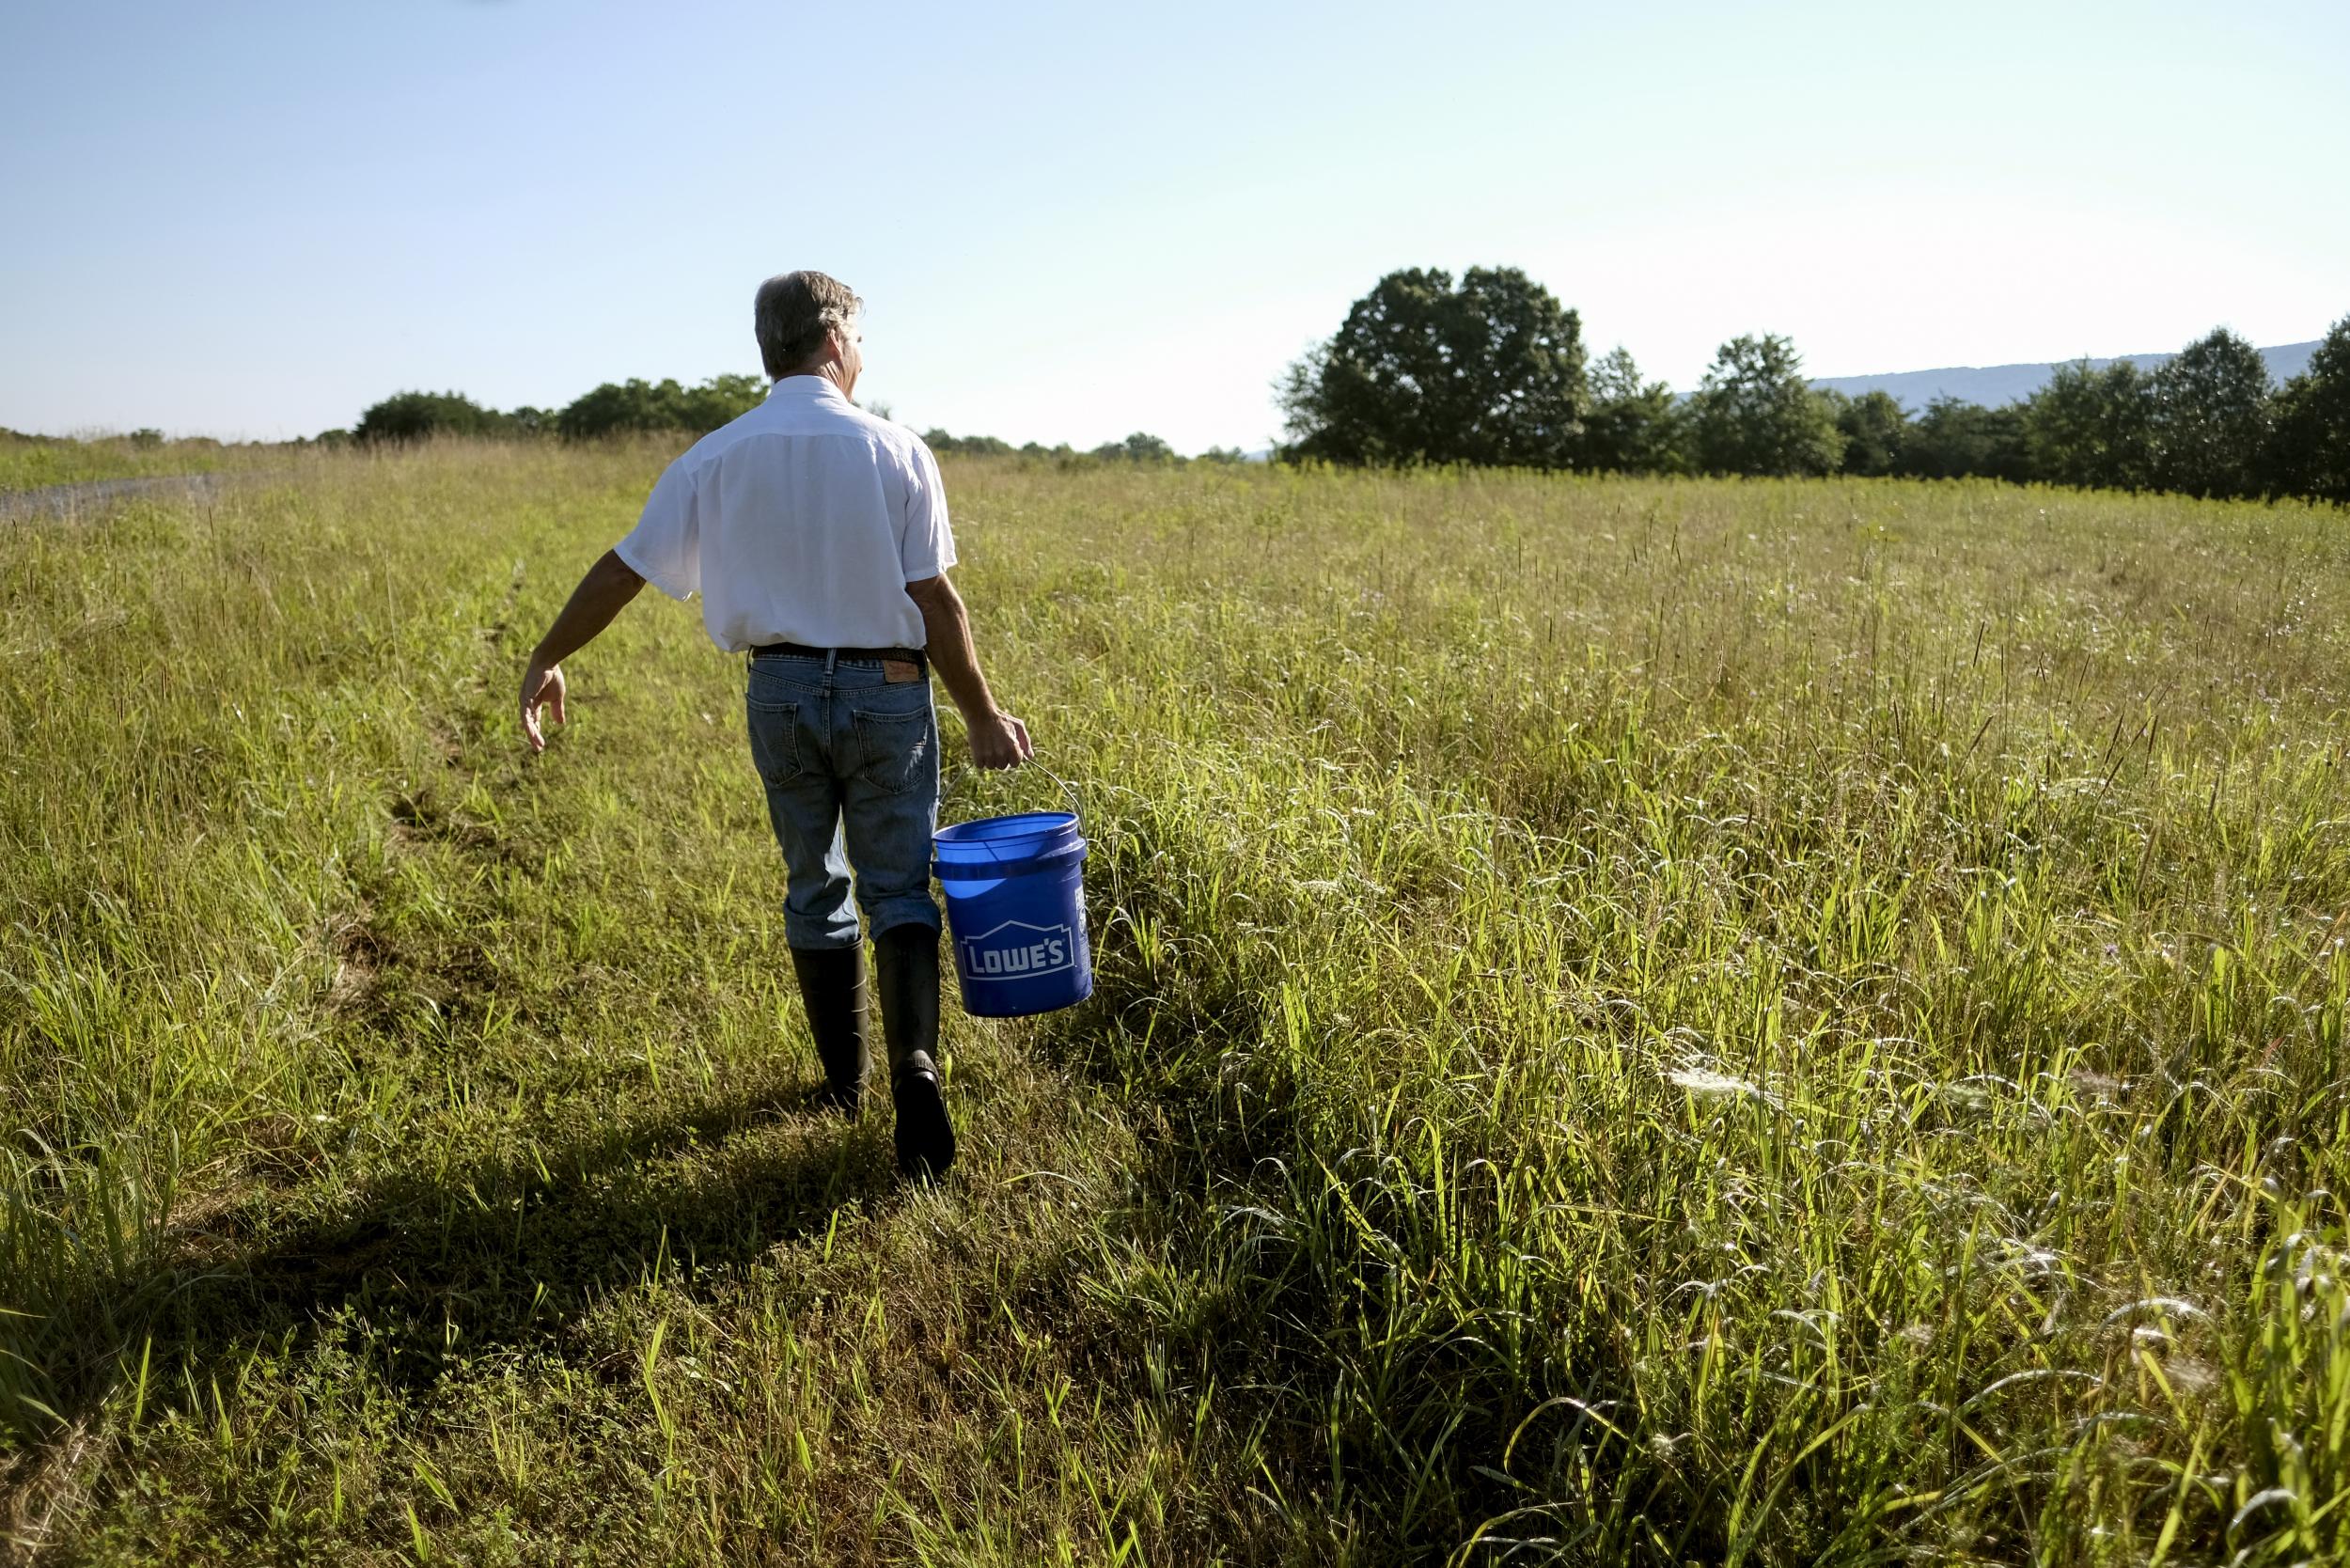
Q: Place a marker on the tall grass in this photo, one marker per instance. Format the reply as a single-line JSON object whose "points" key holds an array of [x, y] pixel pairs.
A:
{"points": [[1638, 1021]]}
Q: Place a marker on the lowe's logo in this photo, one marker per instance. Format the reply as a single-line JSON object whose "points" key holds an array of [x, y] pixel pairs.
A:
{"points": [[1017, 951]]}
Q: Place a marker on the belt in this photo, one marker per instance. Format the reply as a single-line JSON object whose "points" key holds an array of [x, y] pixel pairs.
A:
{"points": [[842, 655]]}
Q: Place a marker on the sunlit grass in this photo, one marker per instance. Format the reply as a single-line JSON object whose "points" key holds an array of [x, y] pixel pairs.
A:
{"points": [[1639, 1022]]}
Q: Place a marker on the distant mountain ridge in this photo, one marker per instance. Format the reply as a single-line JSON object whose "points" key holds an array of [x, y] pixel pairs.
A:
{"points": [[1994, 385]]}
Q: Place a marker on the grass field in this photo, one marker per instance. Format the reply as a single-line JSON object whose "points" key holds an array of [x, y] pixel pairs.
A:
{"points": [[1638, 1021]]}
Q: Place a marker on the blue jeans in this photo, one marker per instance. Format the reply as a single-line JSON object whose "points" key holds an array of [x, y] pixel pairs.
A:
{"points": [[851, 764]]}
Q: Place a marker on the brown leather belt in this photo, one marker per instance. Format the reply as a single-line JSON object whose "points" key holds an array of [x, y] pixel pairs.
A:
{"points": [[842, 656]]}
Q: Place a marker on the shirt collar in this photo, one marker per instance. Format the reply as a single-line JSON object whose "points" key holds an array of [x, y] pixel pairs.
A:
{"points": [[804, 387]]}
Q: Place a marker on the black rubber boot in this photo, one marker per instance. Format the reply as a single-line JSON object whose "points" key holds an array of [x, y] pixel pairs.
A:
{"points": [[905, 961], [832, 988]]}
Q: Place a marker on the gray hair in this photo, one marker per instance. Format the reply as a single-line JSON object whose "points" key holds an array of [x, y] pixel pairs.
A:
{"points": [[793, 312]]}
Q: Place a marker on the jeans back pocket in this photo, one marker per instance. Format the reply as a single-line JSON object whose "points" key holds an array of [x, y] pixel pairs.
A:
{"points": [[775, 739], [896, 751]]}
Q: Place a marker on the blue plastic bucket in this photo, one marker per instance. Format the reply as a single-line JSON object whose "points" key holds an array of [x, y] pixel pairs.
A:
{"points": [[1016, 909]]}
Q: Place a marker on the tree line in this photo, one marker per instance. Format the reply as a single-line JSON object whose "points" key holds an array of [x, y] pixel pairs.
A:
{"points": [[615, 408], [1494, 371], [1141, 448], [621, 408]]}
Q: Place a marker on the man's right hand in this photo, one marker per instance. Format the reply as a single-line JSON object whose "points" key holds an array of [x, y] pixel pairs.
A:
{"points": [[1000, 741], [608, 586], [542, 683]]}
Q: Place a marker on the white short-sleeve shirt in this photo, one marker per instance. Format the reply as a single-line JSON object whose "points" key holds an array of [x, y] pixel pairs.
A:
{"points": [[803, 520]]}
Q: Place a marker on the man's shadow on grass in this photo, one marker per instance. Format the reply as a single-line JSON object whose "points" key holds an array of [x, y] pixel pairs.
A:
{"points": [[427, 1268]]}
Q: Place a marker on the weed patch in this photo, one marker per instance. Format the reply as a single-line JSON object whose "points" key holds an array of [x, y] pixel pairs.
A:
{"points": [[1635, 1022]]}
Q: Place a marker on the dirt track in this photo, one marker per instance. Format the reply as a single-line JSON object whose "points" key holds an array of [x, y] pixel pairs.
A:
{"points": [[63, 500]]}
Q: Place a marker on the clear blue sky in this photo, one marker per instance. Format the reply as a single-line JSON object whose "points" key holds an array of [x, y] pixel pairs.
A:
{"points": [[1074, 222]]}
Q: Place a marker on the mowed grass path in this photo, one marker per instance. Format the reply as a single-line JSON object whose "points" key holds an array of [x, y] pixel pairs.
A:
{"points": [[1638, 1021], [37, 462]]}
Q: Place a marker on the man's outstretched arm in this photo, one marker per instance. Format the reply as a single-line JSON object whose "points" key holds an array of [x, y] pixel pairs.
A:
{"points": [[997, 739], [602, 594]]}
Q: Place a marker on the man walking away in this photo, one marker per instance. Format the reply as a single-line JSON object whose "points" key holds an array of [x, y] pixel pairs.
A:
{"points": [[817, 536]]}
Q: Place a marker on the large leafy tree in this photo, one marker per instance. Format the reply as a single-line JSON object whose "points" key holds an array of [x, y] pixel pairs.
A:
{"points": [[1489, 373], [1632, 426], [640, 405], [1755, 413], [2092, 428], [1875, 428], [2311, 449], [938, 440], [2211, 418], [1953, 438], [616, 406], [719, 400], [414, 416], [1141, 447]]}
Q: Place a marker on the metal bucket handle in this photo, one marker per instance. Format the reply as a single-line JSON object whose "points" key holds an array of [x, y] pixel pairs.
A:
{"points": [[1076, 807]]}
